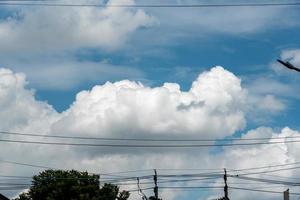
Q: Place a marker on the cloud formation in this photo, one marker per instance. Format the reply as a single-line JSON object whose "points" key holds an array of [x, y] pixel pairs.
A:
{"points": [[214, 107], [19, 108], [48, 29]]}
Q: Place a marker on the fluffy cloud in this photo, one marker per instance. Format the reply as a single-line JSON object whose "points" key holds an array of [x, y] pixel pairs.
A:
{"points": [[213, 107], [19, 109], [41, 29], [264, 155], [70, 28]]}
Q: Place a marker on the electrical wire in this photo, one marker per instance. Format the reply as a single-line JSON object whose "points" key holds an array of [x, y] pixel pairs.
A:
{"points": [[144, 145], [282, 177], [192, 187], [14, 3], [144, 139], [25, 164], [267, 180], [270, 171], [258, 190], [13, 188], [263, 167]]}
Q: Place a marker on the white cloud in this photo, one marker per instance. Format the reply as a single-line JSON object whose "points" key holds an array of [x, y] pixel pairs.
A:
{"points": [[263, 107], [264, 155], [265, 86], [19, 109], [270, 103], [42, 29], [213, 107], [38, 30]]}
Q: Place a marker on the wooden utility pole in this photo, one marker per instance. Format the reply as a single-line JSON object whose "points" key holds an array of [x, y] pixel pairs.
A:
{"points": [[226, 186], [286, 195], [155, 185]]}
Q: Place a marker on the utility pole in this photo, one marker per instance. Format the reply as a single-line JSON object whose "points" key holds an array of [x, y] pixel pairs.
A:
{"points": [[226, 186], [155, 189], [155, 185], [286, 195]]}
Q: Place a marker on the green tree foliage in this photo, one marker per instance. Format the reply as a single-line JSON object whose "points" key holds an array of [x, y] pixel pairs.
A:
{"points": [[70, 185]]}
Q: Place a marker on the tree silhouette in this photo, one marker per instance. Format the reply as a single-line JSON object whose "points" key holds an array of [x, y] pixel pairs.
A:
{"points": [[70, 185]]}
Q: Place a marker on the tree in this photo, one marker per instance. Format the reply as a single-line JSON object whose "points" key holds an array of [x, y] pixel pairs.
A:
{"points": [[153, 198], [71, 185]]}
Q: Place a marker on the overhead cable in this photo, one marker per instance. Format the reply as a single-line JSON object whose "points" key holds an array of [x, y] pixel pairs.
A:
{"points": [[145, 145], [266, 191], [143, 139], [47, 4]]}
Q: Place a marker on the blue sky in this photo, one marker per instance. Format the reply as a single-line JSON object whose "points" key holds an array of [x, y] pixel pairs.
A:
{"points": [[248, 55], [65, 51]]}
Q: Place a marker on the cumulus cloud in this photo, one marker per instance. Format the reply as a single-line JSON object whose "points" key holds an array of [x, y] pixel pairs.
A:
{"points": [[127, 107], [44, 28], [265, 155], [213, 107], [19, 109]]}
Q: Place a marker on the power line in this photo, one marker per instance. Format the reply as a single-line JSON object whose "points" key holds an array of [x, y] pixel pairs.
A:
{"points": [[42, 167], [267, 180], [13, 188], [258, 190], [25, 164], [282, 177], [216, 171], [264, 167], [192, 187], [210, 175], [18, 177], [146, 145], [143, 139], [270, 171], [11, 3]]}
